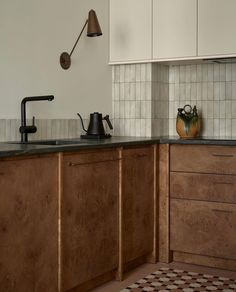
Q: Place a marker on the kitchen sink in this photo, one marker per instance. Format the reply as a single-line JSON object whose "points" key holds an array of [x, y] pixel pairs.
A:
{"points": [[51, 142]]}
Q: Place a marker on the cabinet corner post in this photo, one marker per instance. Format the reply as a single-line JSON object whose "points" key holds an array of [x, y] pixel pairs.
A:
{"points": [[60, 194], [119, 275], [164, 204]]}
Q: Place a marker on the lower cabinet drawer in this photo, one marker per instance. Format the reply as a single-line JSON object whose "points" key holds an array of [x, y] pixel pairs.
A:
{"points": [[203, 159], [203, 187], [203, 228]]}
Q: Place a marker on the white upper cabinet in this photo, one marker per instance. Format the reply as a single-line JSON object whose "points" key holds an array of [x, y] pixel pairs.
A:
{"points": [[174, 29], [216, 27], [162, 30], [130, 30]]}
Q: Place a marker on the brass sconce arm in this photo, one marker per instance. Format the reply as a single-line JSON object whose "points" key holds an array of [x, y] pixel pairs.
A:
{"points": [[78, 37], [93, 30]]}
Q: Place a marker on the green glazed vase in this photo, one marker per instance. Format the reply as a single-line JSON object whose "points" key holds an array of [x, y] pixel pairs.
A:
{"points": [[187, 122]]}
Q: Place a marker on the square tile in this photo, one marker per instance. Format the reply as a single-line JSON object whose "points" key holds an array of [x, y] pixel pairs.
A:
{"points": [[205, 72], [228, 91], [167, 279], [143, 72], [233, 72], [138, 72], [228, 72], [210, 73], [216, 127], [228, 127], [182, 74], [233, 108], [216, 72], [199, 73], [188, 74], [222, 72], [177, 74], [193, 73]]}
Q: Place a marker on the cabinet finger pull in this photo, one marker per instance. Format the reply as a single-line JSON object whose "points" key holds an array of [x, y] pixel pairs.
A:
{"points": [[222, 211], [136, 156], [222, 155], [224, 183], [141, 155], [92, 162]]}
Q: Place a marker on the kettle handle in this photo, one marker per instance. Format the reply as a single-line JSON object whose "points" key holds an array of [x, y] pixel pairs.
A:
{"points": [[106, 118], [82, 122]]}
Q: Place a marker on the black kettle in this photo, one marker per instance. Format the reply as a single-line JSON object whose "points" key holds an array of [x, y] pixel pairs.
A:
{"points": [[96, 128]]}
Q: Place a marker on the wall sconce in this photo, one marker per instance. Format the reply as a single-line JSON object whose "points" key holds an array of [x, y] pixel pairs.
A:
{"points": [[92, 31]]}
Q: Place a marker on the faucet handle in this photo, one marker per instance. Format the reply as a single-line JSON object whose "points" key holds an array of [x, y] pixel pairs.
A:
{"points": [[29, 129]]}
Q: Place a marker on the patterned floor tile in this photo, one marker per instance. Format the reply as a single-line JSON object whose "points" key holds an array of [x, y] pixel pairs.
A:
{"points": [[174, 280]]}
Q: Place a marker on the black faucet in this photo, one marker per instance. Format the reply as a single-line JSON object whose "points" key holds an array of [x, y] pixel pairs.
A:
{"points": [[24, 129]]}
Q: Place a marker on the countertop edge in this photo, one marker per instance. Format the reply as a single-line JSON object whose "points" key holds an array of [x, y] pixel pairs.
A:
{"points": [[11, 149]]}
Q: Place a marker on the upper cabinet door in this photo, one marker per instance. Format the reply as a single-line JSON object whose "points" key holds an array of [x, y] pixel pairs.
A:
{"points": [[174, 29], [216, 27], [130, 30]]}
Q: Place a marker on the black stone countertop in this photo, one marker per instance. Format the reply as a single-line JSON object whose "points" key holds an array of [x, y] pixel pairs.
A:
{"points": [[13, 149], [227, 141]]}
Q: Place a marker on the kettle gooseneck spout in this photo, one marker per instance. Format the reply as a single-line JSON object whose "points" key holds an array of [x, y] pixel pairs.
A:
{"points": [[82, 123]]}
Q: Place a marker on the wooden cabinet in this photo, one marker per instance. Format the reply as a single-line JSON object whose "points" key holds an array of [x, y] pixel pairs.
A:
{"points": [[216, 27], [69, 222], [130, 30], [138, 202], [203, 159], [28, 224], [203, 204], [89, 217], [204, 187], [97, 230], [203, 228], [174, 29]]}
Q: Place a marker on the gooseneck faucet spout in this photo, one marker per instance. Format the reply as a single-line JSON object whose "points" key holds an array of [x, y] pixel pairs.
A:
{"points": [[24, 129]]}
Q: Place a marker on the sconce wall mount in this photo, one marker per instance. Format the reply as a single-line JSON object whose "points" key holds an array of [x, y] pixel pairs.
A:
{"points": [[93, 30]]}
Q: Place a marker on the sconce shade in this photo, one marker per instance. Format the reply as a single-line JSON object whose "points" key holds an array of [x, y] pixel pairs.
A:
{"points": [[94, 28]]}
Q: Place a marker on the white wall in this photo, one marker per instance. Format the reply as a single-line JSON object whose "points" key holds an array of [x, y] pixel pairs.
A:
{"points": [[33, 34]]}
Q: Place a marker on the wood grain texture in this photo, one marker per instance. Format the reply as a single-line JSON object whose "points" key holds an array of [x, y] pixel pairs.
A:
{"points": [[214, 262], [164, 225], [203, 159], [206, 187], [129, 266], [28, 224], [89, 216], [154, 256], [203, 228], [91, 284], [60, 202], [138, 202], [120, 271]]}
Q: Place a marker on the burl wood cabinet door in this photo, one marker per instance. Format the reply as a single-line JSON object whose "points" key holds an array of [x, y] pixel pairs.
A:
{"points": [[203, 228], [89, 216], [138, 202], [28, 224]]}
